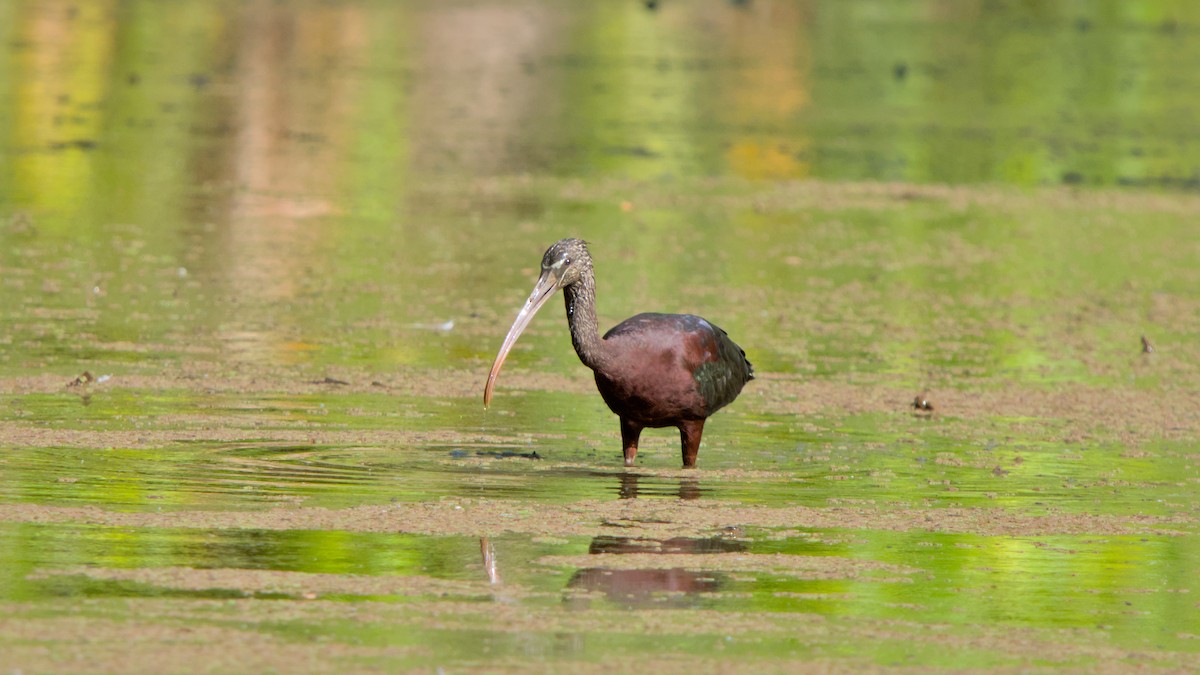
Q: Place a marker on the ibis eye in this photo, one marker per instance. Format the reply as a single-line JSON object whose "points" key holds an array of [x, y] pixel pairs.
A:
{"points": [[568, 261]]}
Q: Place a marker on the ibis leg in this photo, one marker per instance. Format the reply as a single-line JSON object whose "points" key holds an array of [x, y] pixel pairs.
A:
{"points": [[630, 432], [689, 435]]}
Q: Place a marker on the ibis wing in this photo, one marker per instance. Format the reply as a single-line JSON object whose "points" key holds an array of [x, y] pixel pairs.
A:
{"points": [[718, 366]]}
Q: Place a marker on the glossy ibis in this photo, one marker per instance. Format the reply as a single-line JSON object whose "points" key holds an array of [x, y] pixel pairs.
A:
{"points": [[653, 370]]}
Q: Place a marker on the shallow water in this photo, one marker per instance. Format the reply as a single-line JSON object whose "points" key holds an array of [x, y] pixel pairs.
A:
{"points": [[254, 268]]}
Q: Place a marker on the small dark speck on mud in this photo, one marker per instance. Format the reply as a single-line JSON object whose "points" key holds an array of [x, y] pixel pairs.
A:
{"points": [[81, 144], [900, 70], [630, 151], [330, 380], [507, 454], [134, 79], [303, 136], [85, 378], [198, 80]]}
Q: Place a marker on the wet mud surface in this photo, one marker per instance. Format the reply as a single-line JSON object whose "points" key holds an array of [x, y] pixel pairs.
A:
{"points": [[635, 518], [654, 563], [835, 505], [226, 511]]}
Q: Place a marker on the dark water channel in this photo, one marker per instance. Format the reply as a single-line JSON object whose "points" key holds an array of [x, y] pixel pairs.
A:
{"points": [[256, 258]]}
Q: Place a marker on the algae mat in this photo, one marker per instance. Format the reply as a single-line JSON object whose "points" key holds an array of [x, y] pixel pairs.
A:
{"points": [[185, 504]]}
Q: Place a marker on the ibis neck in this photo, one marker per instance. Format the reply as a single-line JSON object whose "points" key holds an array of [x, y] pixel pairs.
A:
{"points": [[581, 315]]}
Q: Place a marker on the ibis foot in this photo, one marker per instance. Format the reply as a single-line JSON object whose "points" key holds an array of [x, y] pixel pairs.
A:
{"points": [[630, 432]]}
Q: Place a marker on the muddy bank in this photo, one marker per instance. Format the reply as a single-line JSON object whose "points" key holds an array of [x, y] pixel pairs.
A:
{"points": [[274, 582], [1059, 412], [239, 635], [632, 518]]}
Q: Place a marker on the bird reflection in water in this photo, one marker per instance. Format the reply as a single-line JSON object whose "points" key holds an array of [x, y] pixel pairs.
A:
{"points": [[634, 588], [631, 486], [652, 587]]}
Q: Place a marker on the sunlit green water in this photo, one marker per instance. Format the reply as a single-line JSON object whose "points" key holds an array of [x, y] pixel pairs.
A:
{"points": [[213, 207]]}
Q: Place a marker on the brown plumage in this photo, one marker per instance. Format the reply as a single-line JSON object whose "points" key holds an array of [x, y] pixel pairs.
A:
{"points": [[653, 370]]}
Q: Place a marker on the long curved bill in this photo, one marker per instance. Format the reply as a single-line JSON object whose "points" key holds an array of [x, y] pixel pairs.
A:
{"points": [[542, 290]]}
